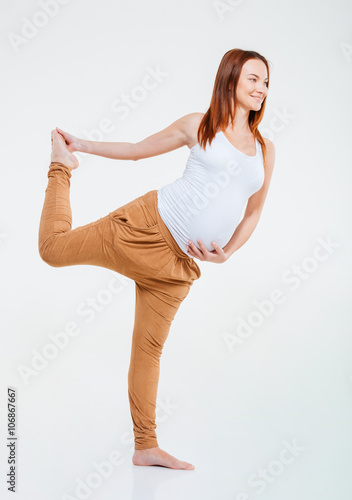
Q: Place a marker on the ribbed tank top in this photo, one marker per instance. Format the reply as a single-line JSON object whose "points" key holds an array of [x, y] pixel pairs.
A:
{"points": [[208, 201]]}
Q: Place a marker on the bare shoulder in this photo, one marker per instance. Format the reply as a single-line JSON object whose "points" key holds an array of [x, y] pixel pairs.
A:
{"points": [[270, 153], [269, 145], [191, 124]]}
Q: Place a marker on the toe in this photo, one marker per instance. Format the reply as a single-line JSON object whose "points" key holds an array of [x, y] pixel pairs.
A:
{"points": [[188, 466]]}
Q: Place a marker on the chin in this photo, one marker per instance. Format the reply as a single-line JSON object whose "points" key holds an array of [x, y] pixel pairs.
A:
{"points": [[256, 108]]}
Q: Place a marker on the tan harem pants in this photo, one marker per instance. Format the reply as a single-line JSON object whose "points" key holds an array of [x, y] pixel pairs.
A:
{"points": [[134, 241]]}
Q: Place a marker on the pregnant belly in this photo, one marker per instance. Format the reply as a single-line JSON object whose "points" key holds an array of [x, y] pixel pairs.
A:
{"points": [[209, 228]]}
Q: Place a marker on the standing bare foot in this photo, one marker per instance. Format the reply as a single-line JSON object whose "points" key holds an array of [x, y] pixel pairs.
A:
{"points": [[60, 153], [156, 456]]}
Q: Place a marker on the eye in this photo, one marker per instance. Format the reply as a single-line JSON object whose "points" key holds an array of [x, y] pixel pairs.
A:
{"points": [[266, 83]]}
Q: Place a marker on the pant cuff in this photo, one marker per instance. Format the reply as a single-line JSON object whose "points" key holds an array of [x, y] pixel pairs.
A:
{"points": [[57, 165], [146, 445]]}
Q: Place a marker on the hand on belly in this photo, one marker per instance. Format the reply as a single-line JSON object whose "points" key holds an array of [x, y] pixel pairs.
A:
{"points": [[218, 255]]}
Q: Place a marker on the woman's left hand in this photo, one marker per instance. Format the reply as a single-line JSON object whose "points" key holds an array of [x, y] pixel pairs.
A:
{"points": [[218, 255]]}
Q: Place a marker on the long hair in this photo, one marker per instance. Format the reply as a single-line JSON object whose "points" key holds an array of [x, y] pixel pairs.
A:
{"points": [[220, 111]]}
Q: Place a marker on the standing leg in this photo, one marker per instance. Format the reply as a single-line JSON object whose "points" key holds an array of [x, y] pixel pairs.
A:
{"points": [[154, 312]]}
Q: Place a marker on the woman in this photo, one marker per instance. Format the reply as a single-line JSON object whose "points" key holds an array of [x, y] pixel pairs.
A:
{"points": [[155, 238]]}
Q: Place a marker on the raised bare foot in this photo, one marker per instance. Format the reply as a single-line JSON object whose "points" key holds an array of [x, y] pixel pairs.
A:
{"points": [[73, 143], [156, 456], [60, 153]]}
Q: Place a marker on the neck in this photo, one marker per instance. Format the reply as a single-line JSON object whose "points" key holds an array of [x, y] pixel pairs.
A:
{"points": [[240, 122]]}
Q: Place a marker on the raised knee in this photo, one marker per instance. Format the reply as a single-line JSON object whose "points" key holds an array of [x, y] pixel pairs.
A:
{"points": [[48, 255]]}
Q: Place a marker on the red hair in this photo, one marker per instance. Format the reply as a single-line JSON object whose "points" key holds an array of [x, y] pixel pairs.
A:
{"points": [[220, 112]]}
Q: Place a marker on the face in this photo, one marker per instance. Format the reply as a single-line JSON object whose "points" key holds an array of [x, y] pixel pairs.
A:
{"points": [[252, 85]]}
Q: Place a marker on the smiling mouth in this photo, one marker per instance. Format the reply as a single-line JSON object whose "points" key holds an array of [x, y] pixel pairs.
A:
{"points": [[258, 99]]}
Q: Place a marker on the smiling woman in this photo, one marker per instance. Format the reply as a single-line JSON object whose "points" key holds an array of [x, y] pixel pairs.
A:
{"points": [[151, 239], [193, 208]]}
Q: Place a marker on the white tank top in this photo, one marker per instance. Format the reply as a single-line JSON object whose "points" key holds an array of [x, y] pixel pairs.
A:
{"points": [[208, 201]]}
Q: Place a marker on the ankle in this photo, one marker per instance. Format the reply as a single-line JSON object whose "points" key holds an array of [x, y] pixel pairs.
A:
{"points": [[154, 448]]}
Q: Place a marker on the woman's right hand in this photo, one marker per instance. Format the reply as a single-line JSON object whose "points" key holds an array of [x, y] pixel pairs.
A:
{"points": [[217, 255], [73, 143]]}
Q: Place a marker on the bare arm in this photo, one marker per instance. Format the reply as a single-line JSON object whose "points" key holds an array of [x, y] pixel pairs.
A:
{"points": [[176, 135]]}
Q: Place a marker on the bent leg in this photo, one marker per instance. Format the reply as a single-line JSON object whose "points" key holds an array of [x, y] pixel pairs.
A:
{"points": [[59, 245], [155, 310]]}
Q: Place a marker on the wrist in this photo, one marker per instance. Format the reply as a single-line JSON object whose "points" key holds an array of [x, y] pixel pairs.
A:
{"points": [[84, 146], [227, 252]]}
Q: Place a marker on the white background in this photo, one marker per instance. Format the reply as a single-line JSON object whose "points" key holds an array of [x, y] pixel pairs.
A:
{"points": [[229, 408]]}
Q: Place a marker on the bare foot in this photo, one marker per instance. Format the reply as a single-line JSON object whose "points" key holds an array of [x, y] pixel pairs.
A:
{"points": [[156, 456], [72, 143], [60, 153]]}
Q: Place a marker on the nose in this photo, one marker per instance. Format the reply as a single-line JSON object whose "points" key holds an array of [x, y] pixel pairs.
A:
{"points": [[262, 88]]}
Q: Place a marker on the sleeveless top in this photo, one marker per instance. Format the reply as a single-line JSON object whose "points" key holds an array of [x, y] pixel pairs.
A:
{"points": [[208, 201]]}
